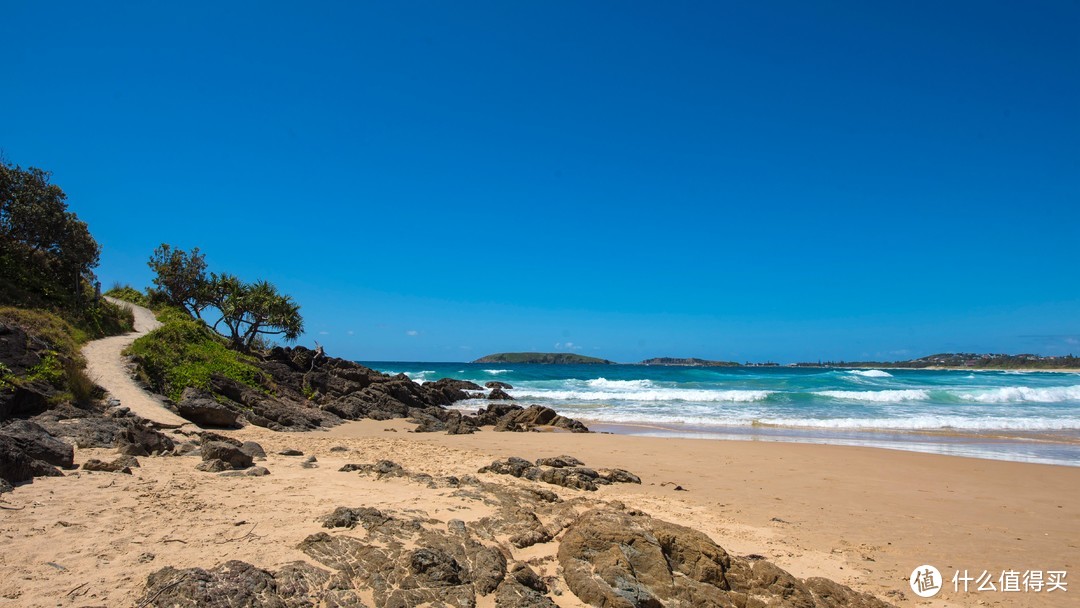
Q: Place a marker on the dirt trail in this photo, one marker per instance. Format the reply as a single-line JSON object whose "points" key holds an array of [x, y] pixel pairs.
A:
{"points": [[107, 366]]}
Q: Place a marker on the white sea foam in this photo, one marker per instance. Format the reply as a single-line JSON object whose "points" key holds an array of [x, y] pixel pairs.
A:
{"points": [[420, 376], [662, 394], [893, 396], [496, 372], [1012, 394], [870, 373], [604, 383], [912, 423]]}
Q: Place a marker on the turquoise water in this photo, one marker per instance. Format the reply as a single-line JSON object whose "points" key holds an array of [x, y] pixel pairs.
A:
{"points": [[963, 409]]}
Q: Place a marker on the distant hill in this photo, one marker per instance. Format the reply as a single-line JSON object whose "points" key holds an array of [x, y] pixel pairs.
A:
{"points": [[689, 362], [550, 358]]}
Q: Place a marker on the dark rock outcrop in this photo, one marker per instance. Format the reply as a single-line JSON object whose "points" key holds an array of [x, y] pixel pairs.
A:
{"points": [[498, 394], [201, 408], [565, 471], [39, 444], [534, 416], [497, 384]]}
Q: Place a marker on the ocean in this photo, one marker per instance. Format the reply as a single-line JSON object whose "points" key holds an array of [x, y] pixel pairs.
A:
{"points": [[1008, 415]]}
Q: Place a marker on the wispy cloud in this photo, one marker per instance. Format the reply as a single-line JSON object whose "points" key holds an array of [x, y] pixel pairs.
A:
{"points": [[324, 333], [412, 332], [566, 346]]}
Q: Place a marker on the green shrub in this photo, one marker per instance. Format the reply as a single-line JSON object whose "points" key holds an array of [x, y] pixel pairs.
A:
{"points": [[128, 294], [185, 353], [101, 319], [172, 314]]}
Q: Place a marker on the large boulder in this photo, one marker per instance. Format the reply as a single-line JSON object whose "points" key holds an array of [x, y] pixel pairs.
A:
{"points": [[227, 453], [498, 394], [630, 560], [201, 408], [38, 444]]}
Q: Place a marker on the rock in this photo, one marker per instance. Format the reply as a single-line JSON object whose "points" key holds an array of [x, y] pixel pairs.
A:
{"points": [[208, 436], [523, 588], [257, 472], [382, 468], [38, 444], [201, 408], [16, 466], [135, 439], [122, 464], [511, 466], [344, 517], [213, 466], [339, 448], [578, 478], [559, 462], [671, 564], [5, 486], [234, 584], [253, 449], [290, 452], [497, 384], [498, 394], [460, 425], [537, 415], [310, 463], [619, 476], [230, 454]]}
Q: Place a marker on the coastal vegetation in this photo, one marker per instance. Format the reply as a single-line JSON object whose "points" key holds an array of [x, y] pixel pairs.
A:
{"points": [[547, 358], [184, 353], [48, 296], [249, 314]]}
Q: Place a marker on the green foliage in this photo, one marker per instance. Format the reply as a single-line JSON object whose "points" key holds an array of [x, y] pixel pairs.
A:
{"points": [[46, 253], [171, 314], [128, 293], [185, 353], [100, 319], [51, 330], [180, 279], [254, 310]]}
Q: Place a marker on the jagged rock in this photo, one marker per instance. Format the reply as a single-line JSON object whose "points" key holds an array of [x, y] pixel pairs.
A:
{"points": [[494, 412], [511, 466], [578, 478], [139, 440], [201, 408], [498, 394], [253, 449], [497, 384], [5, 486], [257, 472], [310, 463], [460, 425], [27, 399], [230, 454], [624, 560], [15, 465], [122, 464], [290, 452], [382, 468], [274, 413], [38, 444], [522, 588], [445, 391], [344, 517]]}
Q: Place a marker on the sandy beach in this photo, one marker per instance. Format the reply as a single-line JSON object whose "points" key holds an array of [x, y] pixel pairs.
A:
{"points": [[863, 517]]}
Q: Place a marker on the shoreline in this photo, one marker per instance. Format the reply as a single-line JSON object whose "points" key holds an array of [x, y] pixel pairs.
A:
{"points": [[864, 516]]}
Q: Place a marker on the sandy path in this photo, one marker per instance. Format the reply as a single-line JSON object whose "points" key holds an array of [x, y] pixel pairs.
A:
{"points": [[107, 366]]}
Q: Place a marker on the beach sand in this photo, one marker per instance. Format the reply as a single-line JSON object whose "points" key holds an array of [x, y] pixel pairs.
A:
{"points": [[861, 516]]}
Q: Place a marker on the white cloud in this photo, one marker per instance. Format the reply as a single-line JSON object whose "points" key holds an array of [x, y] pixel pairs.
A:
{"points": [[324, 333], [350, 332], [412, 332]]}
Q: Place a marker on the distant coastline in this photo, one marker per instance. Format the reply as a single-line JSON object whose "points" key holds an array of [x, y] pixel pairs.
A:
{"points": [[543, 358]]}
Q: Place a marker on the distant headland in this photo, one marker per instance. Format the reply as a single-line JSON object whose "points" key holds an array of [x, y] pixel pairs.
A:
{"points": [[689, 362], [549, 358]]}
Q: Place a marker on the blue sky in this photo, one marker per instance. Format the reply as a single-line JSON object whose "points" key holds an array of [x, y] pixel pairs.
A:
{"points": [[435, 181]]}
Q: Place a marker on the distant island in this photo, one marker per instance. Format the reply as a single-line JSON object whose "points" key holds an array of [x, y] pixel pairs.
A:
{"points": [[689, 362], [964, 360], [548, 358]]}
